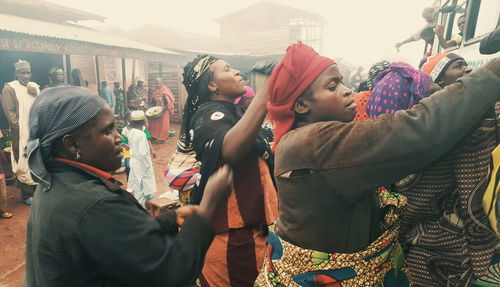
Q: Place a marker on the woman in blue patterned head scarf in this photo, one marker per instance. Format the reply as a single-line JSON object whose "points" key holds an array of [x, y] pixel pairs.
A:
{"points": [[83, 227]]}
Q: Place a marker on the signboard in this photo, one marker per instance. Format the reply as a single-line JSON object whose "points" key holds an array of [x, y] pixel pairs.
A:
{"points": [[20, 42]]}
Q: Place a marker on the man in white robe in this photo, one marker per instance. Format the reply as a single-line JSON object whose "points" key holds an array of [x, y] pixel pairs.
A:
{"points": [[17, 98]]}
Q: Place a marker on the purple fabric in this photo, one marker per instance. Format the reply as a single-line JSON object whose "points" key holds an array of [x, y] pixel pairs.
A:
{"points": [[397, 88], [250, 93]]}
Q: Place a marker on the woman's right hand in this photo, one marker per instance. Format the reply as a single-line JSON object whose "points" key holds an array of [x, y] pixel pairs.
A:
{"points": [[218, 188]]}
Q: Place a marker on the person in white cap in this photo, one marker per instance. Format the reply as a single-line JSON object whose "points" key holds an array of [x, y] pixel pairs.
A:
{"points": [[141, 180], [17, 98]]}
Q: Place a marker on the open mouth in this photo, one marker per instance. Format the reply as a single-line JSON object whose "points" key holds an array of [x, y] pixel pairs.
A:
{"points": [[351, 104], [119, 154]]}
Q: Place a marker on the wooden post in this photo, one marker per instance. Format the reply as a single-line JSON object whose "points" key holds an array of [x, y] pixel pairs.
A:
{"points": [[98, 77], [124, 77], [133, 72], [67, 69]]}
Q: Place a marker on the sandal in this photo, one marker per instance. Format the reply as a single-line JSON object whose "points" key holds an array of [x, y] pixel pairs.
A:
{"points": [[6, 215]]}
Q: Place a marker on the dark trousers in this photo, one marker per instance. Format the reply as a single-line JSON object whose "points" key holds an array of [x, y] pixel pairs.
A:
{"points": [[127, 166], [3, 194], [27, 190]]}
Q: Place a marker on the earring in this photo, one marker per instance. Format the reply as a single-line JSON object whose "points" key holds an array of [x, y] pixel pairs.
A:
{"points": [[78, 156], [217, 91]]}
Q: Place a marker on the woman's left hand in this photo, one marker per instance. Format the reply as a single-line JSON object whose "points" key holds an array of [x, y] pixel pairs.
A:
{"points": [[184, 212]]}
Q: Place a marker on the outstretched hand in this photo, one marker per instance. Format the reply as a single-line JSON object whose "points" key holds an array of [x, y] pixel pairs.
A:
{"points": [[397, 46], [184, 212]]}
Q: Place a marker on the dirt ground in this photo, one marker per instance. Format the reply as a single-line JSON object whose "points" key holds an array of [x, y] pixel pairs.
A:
{"points": [[13, 231]]}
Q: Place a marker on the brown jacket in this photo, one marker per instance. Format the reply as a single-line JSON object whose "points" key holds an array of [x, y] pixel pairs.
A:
{"points": [[10, 107], [331, 206]]}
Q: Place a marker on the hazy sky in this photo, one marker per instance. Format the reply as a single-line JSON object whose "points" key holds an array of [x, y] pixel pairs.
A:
{"points": [[360, 31]]}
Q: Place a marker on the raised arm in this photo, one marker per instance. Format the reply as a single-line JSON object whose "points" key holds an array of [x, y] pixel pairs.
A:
{"points": [[409, 40], [383, 150], [240, 139], [130, 246], [439, 30]]}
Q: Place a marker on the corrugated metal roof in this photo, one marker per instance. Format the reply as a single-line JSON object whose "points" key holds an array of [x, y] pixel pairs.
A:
{"points": [[74, 33], [45, 11]]}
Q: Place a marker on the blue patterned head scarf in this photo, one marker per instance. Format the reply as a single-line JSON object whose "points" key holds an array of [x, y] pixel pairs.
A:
{"points": [[55, 113]]}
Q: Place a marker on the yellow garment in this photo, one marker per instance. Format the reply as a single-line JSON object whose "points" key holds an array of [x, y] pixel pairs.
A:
{"points": [[126, 153], [490, 197]]}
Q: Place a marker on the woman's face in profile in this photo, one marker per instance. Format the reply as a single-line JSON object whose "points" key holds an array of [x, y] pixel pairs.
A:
{"points": [[100, 144]]}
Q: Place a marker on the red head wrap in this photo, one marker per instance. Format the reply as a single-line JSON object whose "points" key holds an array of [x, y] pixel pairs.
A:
{"points": [[291, 77]]}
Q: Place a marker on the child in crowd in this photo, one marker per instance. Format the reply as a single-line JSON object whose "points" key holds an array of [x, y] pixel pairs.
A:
{"points": [[126, 147], [141, 180]]}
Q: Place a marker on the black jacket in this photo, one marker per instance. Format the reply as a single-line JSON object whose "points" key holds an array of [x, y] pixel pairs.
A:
{"points": [[86, 231]]}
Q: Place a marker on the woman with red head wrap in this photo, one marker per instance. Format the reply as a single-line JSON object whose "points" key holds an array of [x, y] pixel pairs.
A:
{"points": [[333, 226]]}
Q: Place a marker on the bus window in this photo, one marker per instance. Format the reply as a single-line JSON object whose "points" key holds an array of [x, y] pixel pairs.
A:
{"points": [[451, 35], [487, 12]]}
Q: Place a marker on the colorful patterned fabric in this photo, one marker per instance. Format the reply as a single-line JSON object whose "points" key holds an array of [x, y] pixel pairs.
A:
{"points": [[181, 179], [397, 88], [448, 237], [491, 199], [380, 263], [183, 160], [361, 100], [436, 65], [492, 276], [159, 127]]}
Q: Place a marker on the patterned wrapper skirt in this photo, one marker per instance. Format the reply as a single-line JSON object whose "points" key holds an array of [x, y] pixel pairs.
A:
{"points": [[380, 264]]}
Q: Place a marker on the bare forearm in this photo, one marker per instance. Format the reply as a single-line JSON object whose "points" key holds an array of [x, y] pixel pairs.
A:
{"points": [[240, 139], [446, 44], [409, 40]]}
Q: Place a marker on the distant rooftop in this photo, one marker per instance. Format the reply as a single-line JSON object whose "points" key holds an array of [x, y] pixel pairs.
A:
{"points": [[274, 11], [45, 11], [21, 25]]}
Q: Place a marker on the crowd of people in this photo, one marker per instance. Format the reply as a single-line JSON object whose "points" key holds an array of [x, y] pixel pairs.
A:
{"points": [[302, 183], [17, 99]]}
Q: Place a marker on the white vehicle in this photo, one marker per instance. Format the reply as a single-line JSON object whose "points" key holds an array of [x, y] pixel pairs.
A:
{"points": [[481, 18]]}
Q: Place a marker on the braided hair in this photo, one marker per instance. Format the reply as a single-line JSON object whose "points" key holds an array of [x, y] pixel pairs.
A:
{"points": [[196, 78]]}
